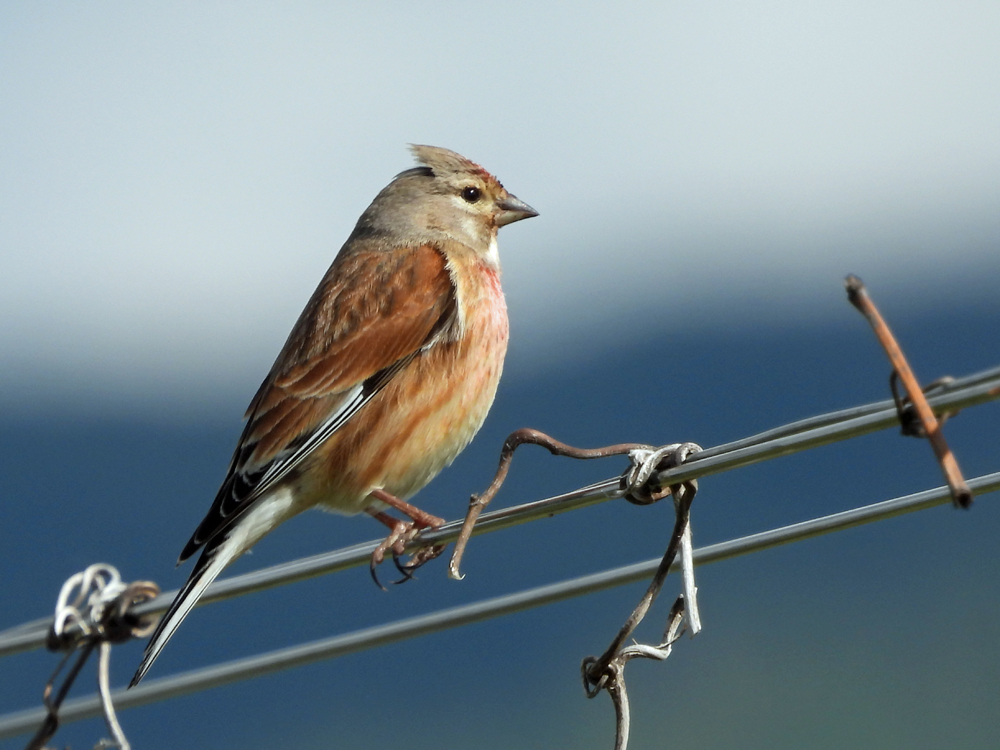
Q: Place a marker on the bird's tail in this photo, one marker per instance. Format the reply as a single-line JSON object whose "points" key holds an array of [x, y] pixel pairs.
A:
{"points": [[219, 551], [212, 562]]}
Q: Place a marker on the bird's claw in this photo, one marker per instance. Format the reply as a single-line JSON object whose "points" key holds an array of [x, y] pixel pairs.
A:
{"points": [[417, 559], [401, 535]]}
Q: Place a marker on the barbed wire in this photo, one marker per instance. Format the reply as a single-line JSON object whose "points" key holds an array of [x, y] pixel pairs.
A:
{"points": [[92, 612], [960, 393], [204, 678], [947, 397]]}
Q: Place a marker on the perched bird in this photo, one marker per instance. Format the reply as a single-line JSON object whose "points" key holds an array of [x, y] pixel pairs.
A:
{"points": [[387, 375]]}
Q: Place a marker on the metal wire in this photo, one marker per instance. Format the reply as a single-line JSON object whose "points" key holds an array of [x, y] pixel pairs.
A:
{"points": [[958, 384], [201, 679], [798, 436]]}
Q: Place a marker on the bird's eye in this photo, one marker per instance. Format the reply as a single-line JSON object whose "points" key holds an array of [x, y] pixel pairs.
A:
{"points": [[471, 194]]}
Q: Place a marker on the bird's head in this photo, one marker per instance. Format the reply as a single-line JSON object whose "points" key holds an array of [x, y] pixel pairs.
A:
{"points": [[447, 195], [468, 188]]}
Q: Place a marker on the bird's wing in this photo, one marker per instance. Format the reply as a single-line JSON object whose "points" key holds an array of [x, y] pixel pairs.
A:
{"points": [[371, 315], [373, 312]]}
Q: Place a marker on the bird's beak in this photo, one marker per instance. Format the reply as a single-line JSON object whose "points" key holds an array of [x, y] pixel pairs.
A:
{"points": [[511, 210]]}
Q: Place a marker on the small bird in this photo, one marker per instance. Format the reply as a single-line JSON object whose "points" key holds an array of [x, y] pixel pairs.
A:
{"points": [[386, 376]]}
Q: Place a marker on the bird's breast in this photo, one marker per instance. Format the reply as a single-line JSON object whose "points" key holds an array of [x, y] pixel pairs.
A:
{"points": [[428, 413]]}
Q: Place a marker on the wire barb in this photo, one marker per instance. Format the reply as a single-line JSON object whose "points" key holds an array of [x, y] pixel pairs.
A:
{"points": [[526, 435], [613, 677], [204, 678], [964, 392], [93, 610], [607, 672], [931, 426], [909, 422]]}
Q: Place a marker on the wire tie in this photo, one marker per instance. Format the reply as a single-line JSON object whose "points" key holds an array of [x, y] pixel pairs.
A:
{"points": [[92, 611], [529, 436], [858, 296]]}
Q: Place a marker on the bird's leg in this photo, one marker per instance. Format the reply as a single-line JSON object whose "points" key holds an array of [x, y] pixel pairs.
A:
{"points": [[402, 533], [397, 529], [420, 518]]}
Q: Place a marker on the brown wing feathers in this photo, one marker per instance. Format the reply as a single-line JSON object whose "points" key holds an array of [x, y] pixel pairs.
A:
{"points": [[325, 367]]}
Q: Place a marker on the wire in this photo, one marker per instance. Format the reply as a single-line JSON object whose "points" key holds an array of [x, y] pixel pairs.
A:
{"points": [[798, 436], [201, 679], [957, 385]]}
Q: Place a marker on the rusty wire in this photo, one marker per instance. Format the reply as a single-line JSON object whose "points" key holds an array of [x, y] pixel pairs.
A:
{"points": [[195, 680], [961, 393]]}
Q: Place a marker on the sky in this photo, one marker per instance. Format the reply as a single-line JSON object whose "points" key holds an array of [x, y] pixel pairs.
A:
{"points": [[175, 179]]}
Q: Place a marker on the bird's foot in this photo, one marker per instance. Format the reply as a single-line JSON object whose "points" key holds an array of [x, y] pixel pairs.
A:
{"points": [[402, 533], [417, 558]]}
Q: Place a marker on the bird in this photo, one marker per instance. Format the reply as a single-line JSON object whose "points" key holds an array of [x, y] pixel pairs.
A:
{"points": [[385, 378]]}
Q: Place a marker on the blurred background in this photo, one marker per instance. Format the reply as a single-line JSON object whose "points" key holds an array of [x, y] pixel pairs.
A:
{"points": [[174, 180]]}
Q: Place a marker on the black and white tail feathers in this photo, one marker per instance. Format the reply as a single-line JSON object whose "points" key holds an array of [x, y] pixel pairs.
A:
{"points": [[266, 513], [208, 567]]}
